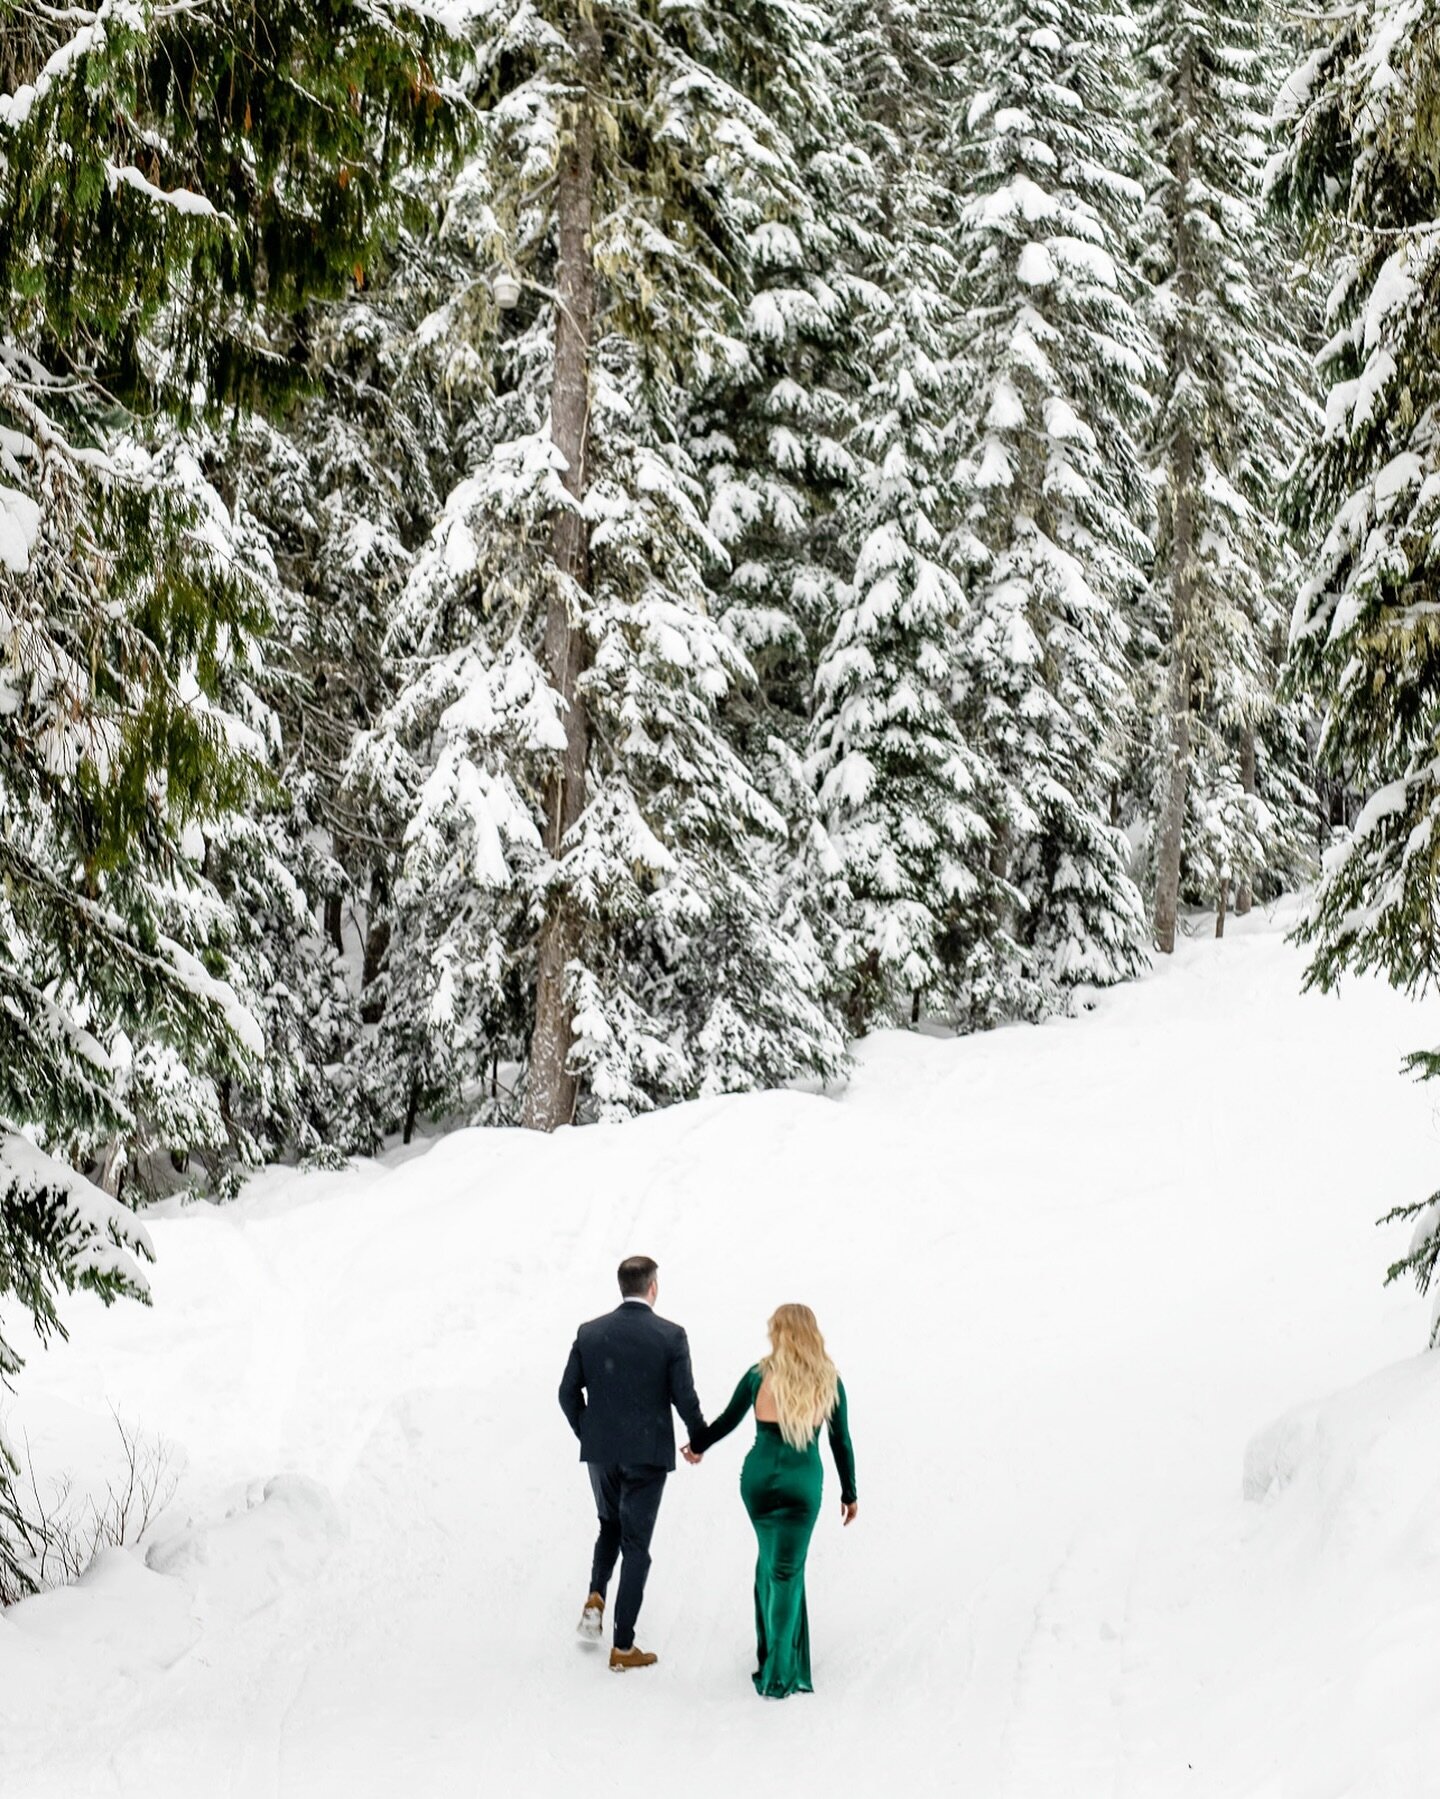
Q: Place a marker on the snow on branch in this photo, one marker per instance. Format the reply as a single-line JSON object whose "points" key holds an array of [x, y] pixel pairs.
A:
{"points": [[94, 1241], [16, 108], [179, 199], [193, 975], [173, 963], [19, 529], [91, 35]]}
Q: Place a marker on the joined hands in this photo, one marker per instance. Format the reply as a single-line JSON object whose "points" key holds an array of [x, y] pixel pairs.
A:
{"points": [[691, 1457]]}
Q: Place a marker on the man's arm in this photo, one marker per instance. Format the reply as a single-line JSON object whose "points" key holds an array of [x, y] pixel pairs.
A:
{"points": [[572, 1388], [682, 1385]]}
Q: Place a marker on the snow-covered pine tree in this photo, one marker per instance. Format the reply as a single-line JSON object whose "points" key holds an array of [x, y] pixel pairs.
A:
{"points": [[271, 875], [909, 807], [165, 198], [1232, 406], [1056, 362], [1360, 171], [449, 971], [557, 738], [347, 489], [1251, 804], [444, 771], [773, 436]]}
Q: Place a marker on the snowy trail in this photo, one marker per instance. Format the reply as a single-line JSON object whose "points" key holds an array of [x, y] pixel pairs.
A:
{"points": [[1067, 1273]]}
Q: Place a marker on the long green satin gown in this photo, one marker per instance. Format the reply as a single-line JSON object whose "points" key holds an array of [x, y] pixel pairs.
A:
{"points": [[781, 1489]]}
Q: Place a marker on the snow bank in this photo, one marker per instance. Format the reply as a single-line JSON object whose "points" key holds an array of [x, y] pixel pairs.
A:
{"points": [[1341, 1561], [279, 1535], [1355, 1478], [118, 1620], [1358, 1459]]}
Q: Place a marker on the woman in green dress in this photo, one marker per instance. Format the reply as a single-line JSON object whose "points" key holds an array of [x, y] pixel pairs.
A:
{"points": [[793, 1392]]}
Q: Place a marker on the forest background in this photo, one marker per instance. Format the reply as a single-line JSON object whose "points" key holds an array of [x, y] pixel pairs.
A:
{"points": [[558, 558]]}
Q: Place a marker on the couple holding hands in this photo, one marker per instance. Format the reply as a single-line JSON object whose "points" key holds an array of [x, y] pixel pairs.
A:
{"points": [[626, 1371]]}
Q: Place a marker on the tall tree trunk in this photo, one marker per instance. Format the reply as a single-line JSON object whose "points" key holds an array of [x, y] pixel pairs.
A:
{"points": [[412, 1109], [1222, 906], [1172, 823], [113, 1166], [1000, 848], [334, 921], [1244, 893], [550, 1088], [1182, 532], [377, 946]]}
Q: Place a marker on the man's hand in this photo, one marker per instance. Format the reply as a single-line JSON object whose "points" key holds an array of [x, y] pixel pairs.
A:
{"points": [[848, 1511], [691, 1457]]}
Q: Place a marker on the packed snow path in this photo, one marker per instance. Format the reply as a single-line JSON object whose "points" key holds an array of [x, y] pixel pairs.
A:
{"points": [[1067, 1272]]}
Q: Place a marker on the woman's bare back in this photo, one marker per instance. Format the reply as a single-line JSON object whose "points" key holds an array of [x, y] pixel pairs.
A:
{"points": [[765, 1410]]}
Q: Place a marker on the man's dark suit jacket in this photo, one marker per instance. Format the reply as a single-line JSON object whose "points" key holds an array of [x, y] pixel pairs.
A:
{"points": [[625, 1372]]}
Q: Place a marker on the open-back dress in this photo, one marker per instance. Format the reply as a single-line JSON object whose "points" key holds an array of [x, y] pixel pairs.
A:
{"points": [[781, 1488]]}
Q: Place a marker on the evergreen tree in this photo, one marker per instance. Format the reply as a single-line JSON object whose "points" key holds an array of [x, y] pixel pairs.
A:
{"points": [[908, 805], [171, 193], [1359, 169], [772, 433], [1231, 411], [773, 436], [1056, 361], [347, 491], [448, 763], [269, 872], [570, 797]]}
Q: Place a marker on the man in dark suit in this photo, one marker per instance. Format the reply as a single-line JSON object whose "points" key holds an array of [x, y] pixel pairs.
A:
{"points": [[625, 1373]]}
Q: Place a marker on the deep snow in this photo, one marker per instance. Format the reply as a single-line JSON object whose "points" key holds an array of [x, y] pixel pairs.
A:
{"points": [[1068, 1273]]}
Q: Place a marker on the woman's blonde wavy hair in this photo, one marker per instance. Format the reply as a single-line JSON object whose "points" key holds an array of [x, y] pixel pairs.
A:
{"points": [[803, 1380]]}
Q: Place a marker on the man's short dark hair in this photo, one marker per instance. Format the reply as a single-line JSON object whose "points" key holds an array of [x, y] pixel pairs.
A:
{"points": [[635, 1276]]}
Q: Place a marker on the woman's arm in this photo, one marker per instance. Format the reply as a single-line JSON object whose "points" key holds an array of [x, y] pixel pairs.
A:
{"points": [[741, 1401], [841, 1447]]}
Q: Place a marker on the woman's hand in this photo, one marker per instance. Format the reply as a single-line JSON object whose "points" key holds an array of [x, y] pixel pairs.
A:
{"points": [[691, 1457], [848, 1511]]}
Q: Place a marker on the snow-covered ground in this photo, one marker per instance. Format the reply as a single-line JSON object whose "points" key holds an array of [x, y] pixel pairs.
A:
{"points": [[1068, 1274]]}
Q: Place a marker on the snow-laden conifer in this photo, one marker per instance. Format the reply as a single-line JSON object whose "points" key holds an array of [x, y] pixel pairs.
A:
{"points": [[168, 207], [1359, 170], [348, 493], [908, 806], [1232, 405], [1056, 362], [631, 900]]}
